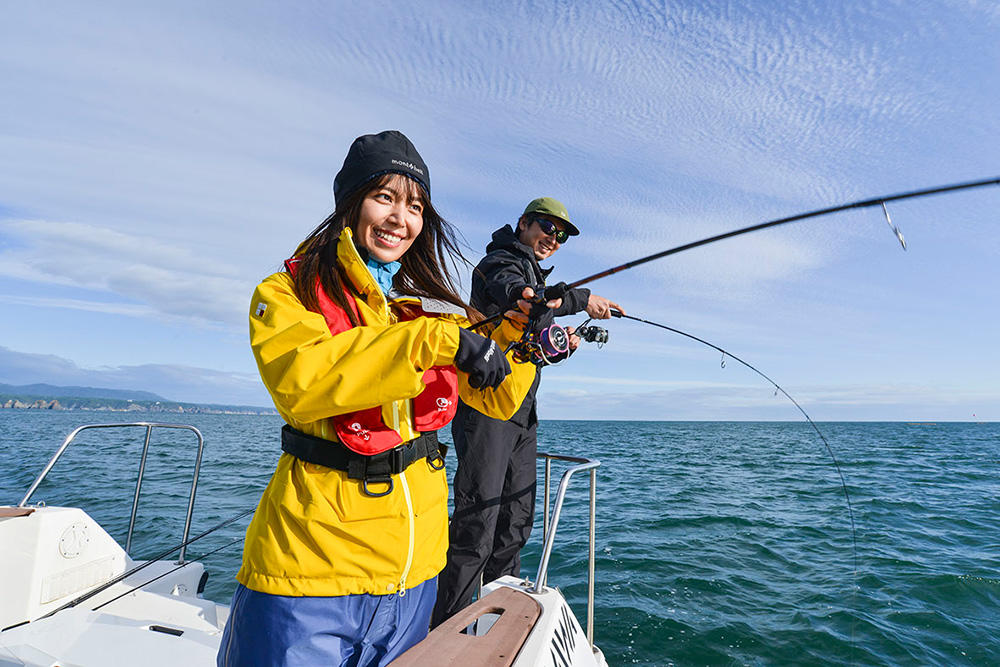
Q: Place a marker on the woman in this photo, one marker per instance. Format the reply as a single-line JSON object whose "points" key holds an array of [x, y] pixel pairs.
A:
{"points": [[358, 342]]}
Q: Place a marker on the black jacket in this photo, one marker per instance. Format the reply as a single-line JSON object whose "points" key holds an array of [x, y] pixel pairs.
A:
{"points": [[497, 280]]}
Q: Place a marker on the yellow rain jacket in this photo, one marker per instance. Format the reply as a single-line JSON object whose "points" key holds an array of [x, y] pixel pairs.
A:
{"points": [[315, 532]]}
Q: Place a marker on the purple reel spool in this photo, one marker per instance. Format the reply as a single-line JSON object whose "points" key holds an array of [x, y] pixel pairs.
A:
{"points": [[554, 343]]}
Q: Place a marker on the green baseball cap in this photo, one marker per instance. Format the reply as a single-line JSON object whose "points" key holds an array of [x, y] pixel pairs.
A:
{"points": [[553, 207]]}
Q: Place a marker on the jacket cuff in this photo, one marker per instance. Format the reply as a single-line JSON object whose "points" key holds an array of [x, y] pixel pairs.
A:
{"points": [[449, 343], [574, 301], [505, 334]]}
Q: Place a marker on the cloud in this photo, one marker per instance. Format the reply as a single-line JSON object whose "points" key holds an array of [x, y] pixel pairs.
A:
{"points": [[586, 380], [160, 166], [165, 279], [80, 304], [762, 103], [591, 398], [732, 270], [174, 382], [720, 402]]}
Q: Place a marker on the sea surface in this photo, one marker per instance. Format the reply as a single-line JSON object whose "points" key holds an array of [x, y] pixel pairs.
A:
{"points": [[718, 543]]}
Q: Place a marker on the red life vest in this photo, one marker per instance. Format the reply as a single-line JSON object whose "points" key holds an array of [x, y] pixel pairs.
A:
{"points": [[364, 431]]}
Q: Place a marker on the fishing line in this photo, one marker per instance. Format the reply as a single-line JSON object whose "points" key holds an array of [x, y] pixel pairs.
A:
{"points": [[182, 565], [108, 584], [777, 387]]}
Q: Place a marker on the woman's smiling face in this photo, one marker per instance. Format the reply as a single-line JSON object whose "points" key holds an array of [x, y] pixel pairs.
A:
{"points": [[391, 218]]}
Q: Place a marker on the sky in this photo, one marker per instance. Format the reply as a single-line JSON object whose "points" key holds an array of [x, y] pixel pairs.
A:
{"points": [[160, 159]]}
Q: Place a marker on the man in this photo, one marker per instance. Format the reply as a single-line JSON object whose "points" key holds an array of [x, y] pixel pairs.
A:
{"points": [[495, 481]]}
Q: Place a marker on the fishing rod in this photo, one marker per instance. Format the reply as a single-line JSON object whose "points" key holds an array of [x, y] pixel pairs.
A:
{"points": [[556, 291], [108, 584], [865, 203], [777, 388], [169, 572]]}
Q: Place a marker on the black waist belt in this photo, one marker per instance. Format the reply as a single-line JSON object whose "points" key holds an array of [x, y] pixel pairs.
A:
{"points": [[374, 469]]}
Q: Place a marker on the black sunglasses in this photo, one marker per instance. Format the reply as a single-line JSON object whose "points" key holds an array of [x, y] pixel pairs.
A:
{"points": [[550, 228]]}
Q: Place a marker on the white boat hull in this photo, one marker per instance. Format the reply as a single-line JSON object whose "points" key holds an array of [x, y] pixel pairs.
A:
{"points": [[58, 606]]}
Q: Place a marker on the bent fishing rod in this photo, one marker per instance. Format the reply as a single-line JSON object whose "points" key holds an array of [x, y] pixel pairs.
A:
{"points": [[556, 291], [777, 388]]}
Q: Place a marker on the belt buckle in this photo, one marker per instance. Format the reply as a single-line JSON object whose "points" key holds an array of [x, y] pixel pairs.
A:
{"points": [[397, 459]]}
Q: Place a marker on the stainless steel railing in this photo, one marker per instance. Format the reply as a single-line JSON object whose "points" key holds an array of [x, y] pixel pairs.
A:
{"points": [[549, 526], [149, 426]]}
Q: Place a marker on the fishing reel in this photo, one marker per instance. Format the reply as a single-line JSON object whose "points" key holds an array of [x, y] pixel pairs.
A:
{"points": [[550, 345], [543, 348], [543, 343], [592, 334]]}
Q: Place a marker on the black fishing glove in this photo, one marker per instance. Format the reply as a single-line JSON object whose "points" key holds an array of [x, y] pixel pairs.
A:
{"points": [[481, 359], [556, 291], [543, 295], [540, 314], [543, 320]]}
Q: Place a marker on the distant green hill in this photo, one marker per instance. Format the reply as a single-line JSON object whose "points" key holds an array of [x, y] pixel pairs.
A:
{"points": [[48, 390], [98, 399]]}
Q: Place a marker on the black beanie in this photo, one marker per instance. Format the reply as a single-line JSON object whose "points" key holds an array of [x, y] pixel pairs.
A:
{"points": [[372, 155]]}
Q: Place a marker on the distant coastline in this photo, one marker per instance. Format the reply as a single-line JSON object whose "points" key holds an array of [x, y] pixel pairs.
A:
{"points": [[49, 397]]}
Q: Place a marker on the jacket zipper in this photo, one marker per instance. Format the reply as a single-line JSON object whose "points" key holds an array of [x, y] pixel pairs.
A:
{"points": [[401, 589], [409, 553]]}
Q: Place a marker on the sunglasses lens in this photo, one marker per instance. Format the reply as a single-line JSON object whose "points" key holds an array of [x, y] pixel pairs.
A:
{"points": [[549, 228]]}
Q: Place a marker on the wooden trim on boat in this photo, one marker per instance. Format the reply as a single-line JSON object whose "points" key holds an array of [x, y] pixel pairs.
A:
{"points": [[447, 646], [8, 512]]}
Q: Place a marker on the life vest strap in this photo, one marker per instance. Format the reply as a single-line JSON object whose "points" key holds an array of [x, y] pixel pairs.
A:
{"points": [[374, 469]]}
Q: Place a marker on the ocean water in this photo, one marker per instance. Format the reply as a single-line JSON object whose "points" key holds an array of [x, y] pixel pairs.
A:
{"points": [[717, 543]]}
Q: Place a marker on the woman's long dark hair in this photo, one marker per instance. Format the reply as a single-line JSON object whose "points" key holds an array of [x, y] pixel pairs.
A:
{"points": [[424, 269]]}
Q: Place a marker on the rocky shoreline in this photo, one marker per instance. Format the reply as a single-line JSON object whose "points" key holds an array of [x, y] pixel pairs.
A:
{"points": [[112, 405]]}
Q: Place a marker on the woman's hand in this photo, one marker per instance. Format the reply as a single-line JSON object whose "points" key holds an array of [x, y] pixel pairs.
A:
{"points": [[482, 359]]}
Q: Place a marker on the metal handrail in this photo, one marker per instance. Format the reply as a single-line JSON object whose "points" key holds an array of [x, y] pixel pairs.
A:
{"points": [[149, 426], [550, 533]]}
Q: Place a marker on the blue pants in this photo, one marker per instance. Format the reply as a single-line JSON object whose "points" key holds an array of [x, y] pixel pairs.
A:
{"points": [[346, 630]]}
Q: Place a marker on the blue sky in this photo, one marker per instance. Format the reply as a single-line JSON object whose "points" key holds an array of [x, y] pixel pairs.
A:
{"points": [[158, 161]]}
